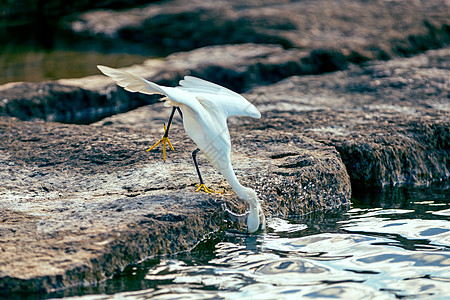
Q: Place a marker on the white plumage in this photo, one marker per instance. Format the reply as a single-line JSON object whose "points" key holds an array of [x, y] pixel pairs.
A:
{"points": [[206, 107]]}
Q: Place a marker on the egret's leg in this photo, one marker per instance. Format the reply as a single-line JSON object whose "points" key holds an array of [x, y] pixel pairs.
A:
{"points": [[165, 139], [202, 185], [179, 111]]}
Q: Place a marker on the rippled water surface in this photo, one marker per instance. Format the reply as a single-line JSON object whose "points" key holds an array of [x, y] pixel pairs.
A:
{"points": [[389, 245]]}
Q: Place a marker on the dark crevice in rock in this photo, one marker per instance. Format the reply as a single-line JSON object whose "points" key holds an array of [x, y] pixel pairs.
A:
{"points": [[298, 164], [435, 37], [203, 27], [282, 155], [51, 101]]}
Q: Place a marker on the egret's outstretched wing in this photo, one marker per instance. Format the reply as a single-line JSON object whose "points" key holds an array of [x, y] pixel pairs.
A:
{"points": [[135, 83], [231, 103], [130, 82]]}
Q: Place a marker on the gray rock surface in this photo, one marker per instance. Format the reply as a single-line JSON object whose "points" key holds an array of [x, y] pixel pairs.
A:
{"points": [[358, 29], [89, 99], [80, 202], [388, 120], [56, 102]]}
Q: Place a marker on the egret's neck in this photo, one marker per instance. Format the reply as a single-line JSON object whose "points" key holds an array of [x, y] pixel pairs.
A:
{"points": [[229, 175], [256, 215], [238, 188]]}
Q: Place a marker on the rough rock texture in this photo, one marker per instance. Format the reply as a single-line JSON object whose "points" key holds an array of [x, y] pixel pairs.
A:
{"points": [[79, 202], [86, 200], [82, 201], [52, 101], [89, 99], [389, 121], [359, 29]]}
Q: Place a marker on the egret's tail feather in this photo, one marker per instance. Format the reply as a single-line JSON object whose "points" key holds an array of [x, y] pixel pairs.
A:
{"points": [[130, 82]]}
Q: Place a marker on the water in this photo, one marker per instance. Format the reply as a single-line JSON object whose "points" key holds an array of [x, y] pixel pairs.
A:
{"points": [[389, 245], [42, 51], [34, 64]]}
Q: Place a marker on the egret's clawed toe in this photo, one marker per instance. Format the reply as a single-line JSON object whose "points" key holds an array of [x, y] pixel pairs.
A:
{"points": [[206, 189], [165, 141]]}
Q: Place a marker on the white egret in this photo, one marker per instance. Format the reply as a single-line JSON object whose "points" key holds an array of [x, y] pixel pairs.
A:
{"points": [[205, 107]]}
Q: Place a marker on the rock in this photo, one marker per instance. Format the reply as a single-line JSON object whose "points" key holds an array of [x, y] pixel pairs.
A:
{"points": [[27, 11], [80, 202], [361, 30], [53, 101], [86, 100], [389, 121], [372, 85]]}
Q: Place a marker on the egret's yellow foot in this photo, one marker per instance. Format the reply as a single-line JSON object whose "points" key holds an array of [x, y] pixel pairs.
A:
{"points": [[206, 189], [164, 140]]}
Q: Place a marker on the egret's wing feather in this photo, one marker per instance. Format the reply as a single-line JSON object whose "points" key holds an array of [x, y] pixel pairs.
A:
{"points": [[135, 83], [200, 85], [231, 102], [130, 82]]}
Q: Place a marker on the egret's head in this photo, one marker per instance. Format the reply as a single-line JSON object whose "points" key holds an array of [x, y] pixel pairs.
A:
{"points": [[253, 220], [256, 215], [256, 219]]}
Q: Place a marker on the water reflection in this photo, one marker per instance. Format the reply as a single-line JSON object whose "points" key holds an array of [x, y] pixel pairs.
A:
{"points": [[46, 51], [369, 253], [33, 65]]}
